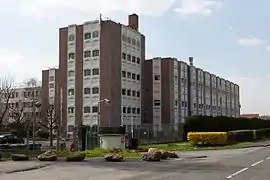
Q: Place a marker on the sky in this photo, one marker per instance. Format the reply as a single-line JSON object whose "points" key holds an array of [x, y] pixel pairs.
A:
{"points": [[230, 38]]}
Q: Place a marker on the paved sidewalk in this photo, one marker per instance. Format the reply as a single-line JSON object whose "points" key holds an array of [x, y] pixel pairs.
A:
{"points": [[15, 166]]}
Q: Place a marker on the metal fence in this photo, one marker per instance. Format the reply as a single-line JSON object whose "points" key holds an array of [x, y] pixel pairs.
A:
{"points": [[86, 137], [151, 134]]}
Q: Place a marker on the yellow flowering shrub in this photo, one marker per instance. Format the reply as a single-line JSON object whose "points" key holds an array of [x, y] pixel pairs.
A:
{"points": [[207, 138]]}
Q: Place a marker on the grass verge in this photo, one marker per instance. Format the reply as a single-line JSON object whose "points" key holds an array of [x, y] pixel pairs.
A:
{"points": [[99, 152], [186, 146]]}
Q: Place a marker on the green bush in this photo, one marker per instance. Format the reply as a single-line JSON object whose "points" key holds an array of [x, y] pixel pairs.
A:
{"points": [[43, 134], [248, 135], [222, 124]]}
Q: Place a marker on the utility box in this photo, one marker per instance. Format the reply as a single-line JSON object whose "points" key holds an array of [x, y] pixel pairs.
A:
{"points": [[111, 141]]}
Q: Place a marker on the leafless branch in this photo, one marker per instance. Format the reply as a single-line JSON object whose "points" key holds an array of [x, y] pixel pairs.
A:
{"points": [[7, 87]]}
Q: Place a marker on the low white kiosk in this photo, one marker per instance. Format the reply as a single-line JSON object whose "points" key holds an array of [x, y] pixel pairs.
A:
{"points": [[111, 141]]}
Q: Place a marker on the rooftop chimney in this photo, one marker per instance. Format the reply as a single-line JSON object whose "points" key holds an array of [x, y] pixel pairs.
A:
{"points": [[133, 21], [190, 61]]}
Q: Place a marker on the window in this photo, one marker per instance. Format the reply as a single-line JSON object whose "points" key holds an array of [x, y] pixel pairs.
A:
{"points": [[51, 85], [138, 111], [138, 43], [124, 110], [128, 75], [87, 72], [175, 103], [71, 73], [87, 35], [133, 76], [156, 102], [124, 91], [51, 78], [138, 94], [128, 92], [71, 37], [124, 38], [95, 90], [95, 53], [123, 73], [16, 94], [138, 77], [123, 55], [128, 110], [86, 109], [133, 110], [71, 92], [133, 42], [157, 77], [70, 128], [87, 54], [70, 110], [129, 40], [133, 59], [134, 93], [87, 90], [71, 56], [94, 109], [95, 71], [95, 34], [129, 57], [138, 60]]}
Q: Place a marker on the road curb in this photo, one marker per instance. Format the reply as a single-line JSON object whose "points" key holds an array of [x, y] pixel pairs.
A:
{"points": [[260, 145], [27, 169], [192, 157]]}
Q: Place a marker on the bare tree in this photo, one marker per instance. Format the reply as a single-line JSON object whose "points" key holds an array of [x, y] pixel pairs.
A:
{"points": [[18, 120], [34, 96], [6, 93], [50, 121]]}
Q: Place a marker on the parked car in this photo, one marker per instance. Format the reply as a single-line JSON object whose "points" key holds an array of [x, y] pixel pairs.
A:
{"points": [[10, 139]]}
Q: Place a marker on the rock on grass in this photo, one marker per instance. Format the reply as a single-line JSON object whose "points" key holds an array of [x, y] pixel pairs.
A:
{"points": [[19, 157], [113, 157], [80, 156], [48, 156]]}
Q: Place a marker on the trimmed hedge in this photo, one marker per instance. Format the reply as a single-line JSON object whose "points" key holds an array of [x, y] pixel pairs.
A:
{"points": [[248, 135], [207, 138], [222, 124]]}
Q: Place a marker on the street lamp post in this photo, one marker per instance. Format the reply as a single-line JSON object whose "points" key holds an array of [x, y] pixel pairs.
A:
{"points": [[37, 105], [132, 126], [107, 101]]}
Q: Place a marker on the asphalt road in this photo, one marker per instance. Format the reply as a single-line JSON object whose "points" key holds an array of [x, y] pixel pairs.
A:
{"points": [[241, 164]]}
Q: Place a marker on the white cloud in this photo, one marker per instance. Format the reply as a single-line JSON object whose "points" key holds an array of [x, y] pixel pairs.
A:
{"points": [[202, 7], [252, 41], [254, 94], [49, 8], [230, 28], [268, 48]]}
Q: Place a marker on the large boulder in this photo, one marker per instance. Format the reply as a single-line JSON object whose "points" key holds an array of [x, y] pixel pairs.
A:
{"points": [[164, 154], [80, 156], [168, 154], [150, 150], [172, 154], [152, 156], [113, 157], [48, 156], [19, 157]]}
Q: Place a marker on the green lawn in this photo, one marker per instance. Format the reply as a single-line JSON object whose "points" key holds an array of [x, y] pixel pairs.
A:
{"points": [[99, 152], [186, 146]]}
